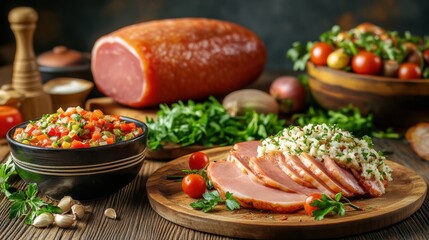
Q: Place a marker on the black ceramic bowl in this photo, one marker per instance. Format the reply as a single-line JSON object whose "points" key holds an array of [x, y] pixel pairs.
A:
{"points": [[84, 173]]}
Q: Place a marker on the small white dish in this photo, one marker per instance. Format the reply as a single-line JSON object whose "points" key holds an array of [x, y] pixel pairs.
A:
{"points": [[68, 92]]}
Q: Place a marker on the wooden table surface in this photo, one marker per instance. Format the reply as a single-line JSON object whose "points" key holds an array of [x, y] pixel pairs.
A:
{"points": [[137, 220]]}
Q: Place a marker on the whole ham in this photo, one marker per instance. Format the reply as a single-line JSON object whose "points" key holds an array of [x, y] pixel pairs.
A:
{"points": [[168, 60]]}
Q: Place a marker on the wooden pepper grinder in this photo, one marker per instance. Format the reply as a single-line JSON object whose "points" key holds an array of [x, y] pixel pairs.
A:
{"points": [[26, 77]]}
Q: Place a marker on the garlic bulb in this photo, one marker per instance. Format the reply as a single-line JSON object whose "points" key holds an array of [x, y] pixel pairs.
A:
{"points": [[110, 213], [64, 221], [43, 220], [65, 203], [236, 102], [78, 211]]}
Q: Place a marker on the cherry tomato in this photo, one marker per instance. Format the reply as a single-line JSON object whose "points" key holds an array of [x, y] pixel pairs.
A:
{"points": [[366, 63], [194, 185], [319, 53], [409, 70], [307, 203], [9, 117], [198, 160]]}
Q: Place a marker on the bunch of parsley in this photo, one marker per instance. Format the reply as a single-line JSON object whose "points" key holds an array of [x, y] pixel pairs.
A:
{"points": [[24, 203], [208, 123]]}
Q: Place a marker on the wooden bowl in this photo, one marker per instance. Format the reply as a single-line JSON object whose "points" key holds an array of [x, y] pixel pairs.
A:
{"points": [[394, 102], [68, 92], [83, 173]]}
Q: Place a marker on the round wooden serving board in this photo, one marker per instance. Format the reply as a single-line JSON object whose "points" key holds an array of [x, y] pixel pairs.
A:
{"points": [[404, 196]]}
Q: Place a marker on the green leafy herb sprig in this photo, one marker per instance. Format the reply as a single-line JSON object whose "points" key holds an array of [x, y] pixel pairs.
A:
{"points": [[327, 205], [348, 118], [24, 203], [208, 123], [211, 199]]}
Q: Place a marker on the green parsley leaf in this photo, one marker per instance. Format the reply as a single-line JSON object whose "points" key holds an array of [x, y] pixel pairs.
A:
{"points": [[211, 199], [326, 205], [207, 123]]}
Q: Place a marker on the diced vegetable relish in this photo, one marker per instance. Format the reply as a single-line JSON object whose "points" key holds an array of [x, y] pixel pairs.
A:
{"points": [[329, 141], [76, 128]]}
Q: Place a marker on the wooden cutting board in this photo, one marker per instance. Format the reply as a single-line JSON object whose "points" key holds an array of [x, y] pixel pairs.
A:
{"points": [[404, 196]]}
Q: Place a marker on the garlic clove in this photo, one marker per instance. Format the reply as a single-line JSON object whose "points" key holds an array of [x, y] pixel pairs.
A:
{"points": [[43, 220], [65, 203], [110, 213], [78, 211], [261, 102], [64, 221]]}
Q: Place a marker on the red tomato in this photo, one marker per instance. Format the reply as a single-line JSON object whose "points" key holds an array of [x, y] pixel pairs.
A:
{"points": [[319, 53], [194, 185], [366, 63], [307, 203], [198, 160], [9, 117], [409, 70]]}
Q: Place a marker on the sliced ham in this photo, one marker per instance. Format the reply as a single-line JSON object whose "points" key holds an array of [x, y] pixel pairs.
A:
{"points": [[322, 173], [375, 188], [309, 176], [241, 154], [248, 149], [293, 173], [227, 177], [343, 176], [164, 61], [242, 163], [268, 170]]}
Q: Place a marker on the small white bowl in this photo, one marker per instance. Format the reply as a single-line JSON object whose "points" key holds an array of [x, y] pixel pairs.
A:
{"points": [[68, 92]]}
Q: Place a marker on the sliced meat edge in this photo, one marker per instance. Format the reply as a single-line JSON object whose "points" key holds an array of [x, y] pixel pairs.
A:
{"points": [[226, 177]]}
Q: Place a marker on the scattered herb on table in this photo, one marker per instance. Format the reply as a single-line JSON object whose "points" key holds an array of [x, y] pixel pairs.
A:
{"points": [[24, 203], [208, 123], [326, 205], [348, 118], [212, 199]]}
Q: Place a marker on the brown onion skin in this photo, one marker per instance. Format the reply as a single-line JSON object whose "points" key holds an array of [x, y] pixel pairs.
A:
{"points": [[289, 93]]}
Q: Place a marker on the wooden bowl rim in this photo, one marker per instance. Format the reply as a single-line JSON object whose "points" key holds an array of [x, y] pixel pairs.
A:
{"points": [[364, 76]]}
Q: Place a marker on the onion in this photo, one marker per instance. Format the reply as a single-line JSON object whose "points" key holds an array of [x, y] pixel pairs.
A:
{"points": [[238, 101], [289, 93]]}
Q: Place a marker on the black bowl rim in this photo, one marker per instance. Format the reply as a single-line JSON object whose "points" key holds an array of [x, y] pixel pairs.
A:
{"points": [[127, 119], [374, 78]]}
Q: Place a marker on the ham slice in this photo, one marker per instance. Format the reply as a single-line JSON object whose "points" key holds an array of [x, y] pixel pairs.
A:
{"points": [[375, 188], [320, 171], [241, 155], [268, 170], [164, 61], [309, 176], [227, 177], [343, 176], [293, 173]]}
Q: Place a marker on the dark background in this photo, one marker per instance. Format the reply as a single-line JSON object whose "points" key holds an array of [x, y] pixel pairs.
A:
{"points": [[78, 23]]}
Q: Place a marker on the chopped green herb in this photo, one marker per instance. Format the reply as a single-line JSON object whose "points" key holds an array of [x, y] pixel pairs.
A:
{"points": [[208, 124]]}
